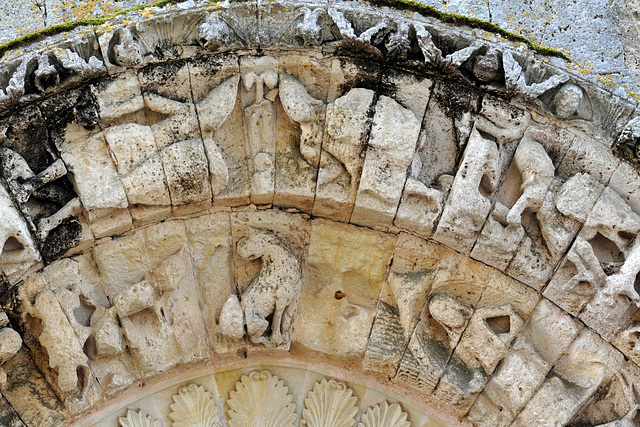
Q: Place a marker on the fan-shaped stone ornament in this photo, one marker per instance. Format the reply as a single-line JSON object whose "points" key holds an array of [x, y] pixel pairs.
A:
{"points": [[138, 419], [330, 404], [194, 406], [261, 400], [384, 415]]}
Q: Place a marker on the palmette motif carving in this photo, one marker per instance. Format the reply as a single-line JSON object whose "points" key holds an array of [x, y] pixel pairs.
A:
{"points": [[515, 78], [384, 415], [261, 400], [194, 406], [138, 419], [329, 404]]}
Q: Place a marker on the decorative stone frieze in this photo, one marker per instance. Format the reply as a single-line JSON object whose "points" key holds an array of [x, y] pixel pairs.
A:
{"points": [[217, 190]]}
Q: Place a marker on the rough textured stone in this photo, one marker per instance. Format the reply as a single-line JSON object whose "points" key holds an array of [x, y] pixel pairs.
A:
{"points": [[345, 268]]}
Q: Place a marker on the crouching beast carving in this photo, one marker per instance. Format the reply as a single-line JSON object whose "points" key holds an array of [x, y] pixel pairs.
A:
{"points": [[273, 293]]}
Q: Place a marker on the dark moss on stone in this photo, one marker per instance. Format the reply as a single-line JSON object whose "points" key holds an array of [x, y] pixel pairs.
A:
{"points": [[61, 239]]}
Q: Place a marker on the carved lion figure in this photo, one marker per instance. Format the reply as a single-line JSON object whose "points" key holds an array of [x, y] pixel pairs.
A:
{"points": [[274, 291]]}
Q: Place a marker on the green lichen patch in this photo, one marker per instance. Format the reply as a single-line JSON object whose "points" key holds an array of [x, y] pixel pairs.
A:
{"points": [[456, 19], [70, 25], [421, 8]]}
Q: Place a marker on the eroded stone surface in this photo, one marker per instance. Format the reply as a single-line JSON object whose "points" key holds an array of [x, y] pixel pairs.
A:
{"points": [[172, 191]]}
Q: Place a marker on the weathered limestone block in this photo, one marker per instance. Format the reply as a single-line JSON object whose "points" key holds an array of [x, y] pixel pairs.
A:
{"points": [[347, 127], [172, 115], [587, 156], [35, 177], [122, 262], [259, 90], [146, 184], [471, 194], [8, 416], [213, 110], [120, 100], [74, 381], [299, 133], [186, 167], [504, 230], [546, 335], [589, 363], [29, 394], [207, 72], [384, 172], [457, 285], [217, 91], [130, 144], [91, 170], [504, 306], [349, 73], [626, 182], [547, 236], [580, 274], [209, 238], [150, 279], [268, 248], [168, 80], [343, 275], [505, 122], [486, 158], [627, 339], [19, 253], [446, 129], [166, 245], [402, 299], [613, 304], [108, 222], [133, 149], [80, 294], [408, 89], [94, 176], [617, 401]]}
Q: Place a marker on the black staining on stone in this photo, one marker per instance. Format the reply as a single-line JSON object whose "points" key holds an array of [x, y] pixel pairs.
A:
{"points": [[24, 131], [163, 78], [61, 239], [628, 149], [8, 417], [28, 150], [10, 304], [78, 106], [29, 393]]}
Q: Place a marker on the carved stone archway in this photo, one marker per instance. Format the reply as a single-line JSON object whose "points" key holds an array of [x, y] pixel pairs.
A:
{"points": [[325, 204]]}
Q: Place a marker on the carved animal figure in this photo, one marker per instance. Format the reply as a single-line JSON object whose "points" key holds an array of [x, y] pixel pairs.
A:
{"points": [[537, 171], [303, 109], [274, 291], [347, 124]]}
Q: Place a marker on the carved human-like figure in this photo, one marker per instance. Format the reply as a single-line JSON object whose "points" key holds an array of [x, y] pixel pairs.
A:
{"points": [[274, 291], [537, 171]]}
